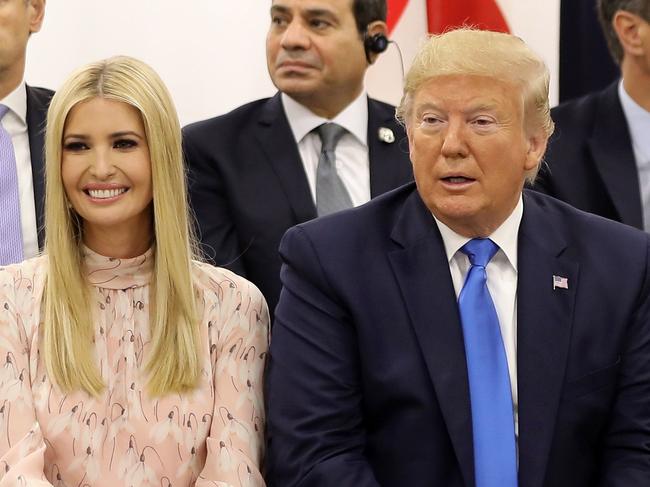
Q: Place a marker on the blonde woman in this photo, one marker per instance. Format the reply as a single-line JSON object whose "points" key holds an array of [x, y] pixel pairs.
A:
{"points": [[124, 361]]}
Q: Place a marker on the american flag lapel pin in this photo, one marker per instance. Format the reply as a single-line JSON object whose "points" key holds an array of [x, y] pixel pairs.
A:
{"points": [[560, 282]]}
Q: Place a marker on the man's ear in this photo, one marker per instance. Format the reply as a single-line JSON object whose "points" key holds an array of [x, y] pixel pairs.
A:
{"points": [[36, 14], [374, 28], [537, 142], [626, 25]]}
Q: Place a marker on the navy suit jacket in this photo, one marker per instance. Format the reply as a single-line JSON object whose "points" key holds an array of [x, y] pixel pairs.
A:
{"points": [[248, 186], [590, 160], [38, 101], [367, 381]]}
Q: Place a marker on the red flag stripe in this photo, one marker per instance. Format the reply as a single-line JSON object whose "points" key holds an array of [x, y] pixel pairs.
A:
{"points": [[484, 14], [395, 10]]}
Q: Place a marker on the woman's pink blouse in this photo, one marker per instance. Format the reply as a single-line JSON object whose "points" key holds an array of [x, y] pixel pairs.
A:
{"points": [[124, 437]]}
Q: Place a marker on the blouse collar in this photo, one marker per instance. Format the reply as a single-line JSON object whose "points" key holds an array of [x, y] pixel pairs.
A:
{"points": [[115, 273]]}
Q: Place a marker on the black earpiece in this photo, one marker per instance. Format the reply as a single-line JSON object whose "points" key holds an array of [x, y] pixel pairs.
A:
{"points": [[375, 44]]}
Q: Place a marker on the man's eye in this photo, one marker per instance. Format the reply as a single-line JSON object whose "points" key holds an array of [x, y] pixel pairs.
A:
{"points": [[430, 120], [483, 121], [75, 146], [124, 144], [319, 23], [278, 21]]}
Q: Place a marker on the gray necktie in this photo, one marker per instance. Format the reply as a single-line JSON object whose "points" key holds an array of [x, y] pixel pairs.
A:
{"points": [[11, 235], [331, 195]]}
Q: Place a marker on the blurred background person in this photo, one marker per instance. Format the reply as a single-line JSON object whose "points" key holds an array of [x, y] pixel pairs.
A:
{"points": [[319, 145], [125, 361], [599, 158], [22, 122]]}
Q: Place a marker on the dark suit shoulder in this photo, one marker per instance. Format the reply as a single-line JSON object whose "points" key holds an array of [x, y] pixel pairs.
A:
{"points": [[374, 218], [382, 106], [589, 162], [41, 94], [576, 115], [585, 228], [38, 100], [579, 116], [229, 122]]}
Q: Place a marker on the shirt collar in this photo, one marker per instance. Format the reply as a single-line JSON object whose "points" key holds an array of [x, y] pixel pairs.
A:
{"points": [[505, 236], [17, 102], [354, 118], [638, 119]]}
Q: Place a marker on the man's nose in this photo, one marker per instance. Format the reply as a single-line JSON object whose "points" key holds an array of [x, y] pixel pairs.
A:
{"points": [[295, 36], [454, 144]]}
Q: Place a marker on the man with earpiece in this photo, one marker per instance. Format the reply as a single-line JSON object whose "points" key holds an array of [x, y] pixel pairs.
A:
{"points": [[318, 146]]}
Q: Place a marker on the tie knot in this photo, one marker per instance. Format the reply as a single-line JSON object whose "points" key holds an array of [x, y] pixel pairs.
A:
{"points": [[480, 251], [330, 134], [3, 110]]}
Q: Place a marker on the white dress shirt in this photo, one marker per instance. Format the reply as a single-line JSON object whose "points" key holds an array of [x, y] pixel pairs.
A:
{"points": [[501, 282], [15, 123], [638, 121], [352, 161]]}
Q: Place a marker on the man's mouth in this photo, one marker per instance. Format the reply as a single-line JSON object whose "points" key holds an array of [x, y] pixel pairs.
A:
{"points": [[457, 179]]}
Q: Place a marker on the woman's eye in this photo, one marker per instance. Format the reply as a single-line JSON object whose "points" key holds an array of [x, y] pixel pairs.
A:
{"points": [[75, 146], [124, 144]]}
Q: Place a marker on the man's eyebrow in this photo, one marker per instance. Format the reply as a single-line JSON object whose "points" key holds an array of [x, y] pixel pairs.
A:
{"points": [[281, 9], [319, 12], [427, 106], [311, 12], [489, 106], [480, 107]]}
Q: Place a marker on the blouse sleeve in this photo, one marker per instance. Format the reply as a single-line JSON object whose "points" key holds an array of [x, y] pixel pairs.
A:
{"points": [[22, 448], [239, 344]]}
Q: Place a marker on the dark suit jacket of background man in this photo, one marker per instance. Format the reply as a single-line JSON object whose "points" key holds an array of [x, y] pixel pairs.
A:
{"points": [[590, 159], [367, 382], [248, 186], [38, 101]]}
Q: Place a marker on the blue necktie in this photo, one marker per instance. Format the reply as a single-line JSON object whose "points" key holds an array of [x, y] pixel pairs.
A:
{"points": [[495, 457]]}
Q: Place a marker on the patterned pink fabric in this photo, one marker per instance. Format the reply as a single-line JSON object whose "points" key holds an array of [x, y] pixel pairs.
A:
{"points": [[211, 437]]}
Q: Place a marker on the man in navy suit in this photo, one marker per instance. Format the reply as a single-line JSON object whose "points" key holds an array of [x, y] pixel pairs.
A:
{"points": [[599, 157], [25, 118], [253, 171], [373, 361]]}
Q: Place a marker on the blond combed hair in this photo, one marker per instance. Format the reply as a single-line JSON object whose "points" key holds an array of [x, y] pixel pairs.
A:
{"points": [[469, 51], [68, 331]]}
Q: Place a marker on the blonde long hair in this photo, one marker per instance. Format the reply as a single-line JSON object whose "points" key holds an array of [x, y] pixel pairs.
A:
{"points": [[68, 331]]}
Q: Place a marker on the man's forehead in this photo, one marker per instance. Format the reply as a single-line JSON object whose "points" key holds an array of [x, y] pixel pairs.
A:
{"points": [[483, 92], [466, 105], [312, 6]]}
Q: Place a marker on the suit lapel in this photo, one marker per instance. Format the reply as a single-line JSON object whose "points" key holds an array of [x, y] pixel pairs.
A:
{"points": [[281, 150], [36, 115], [544, 319], [611, 150], [387, 168], [422, 272]]}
